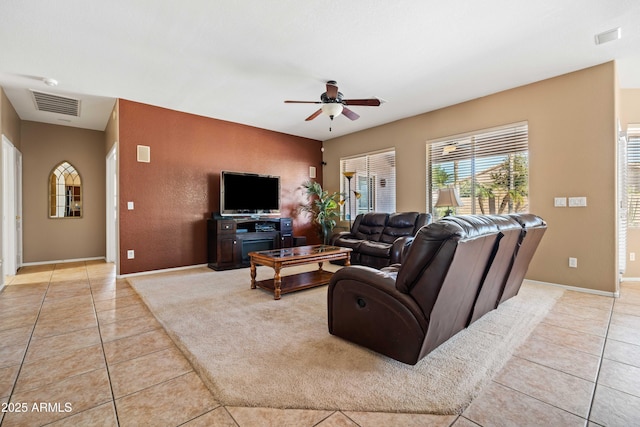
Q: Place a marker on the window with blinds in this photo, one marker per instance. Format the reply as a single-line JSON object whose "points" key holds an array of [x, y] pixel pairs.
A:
{"points": [[489, 171], [372, 186], [633, 177]]}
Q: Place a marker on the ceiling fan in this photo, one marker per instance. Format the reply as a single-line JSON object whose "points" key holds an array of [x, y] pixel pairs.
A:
{"points": [[334, 104]]}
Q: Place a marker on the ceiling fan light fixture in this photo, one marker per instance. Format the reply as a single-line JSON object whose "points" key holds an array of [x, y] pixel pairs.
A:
{"points": [[332, 109]]}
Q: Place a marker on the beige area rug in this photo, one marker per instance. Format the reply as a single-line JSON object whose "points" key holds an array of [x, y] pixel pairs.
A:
{"points": [[254, 351]]}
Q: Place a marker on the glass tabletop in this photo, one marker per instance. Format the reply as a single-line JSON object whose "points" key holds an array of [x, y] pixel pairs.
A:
{"points": [[299, 251]]}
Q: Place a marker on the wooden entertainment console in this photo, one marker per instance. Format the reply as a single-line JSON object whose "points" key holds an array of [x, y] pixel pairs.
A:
{"points": [[229, 239]]}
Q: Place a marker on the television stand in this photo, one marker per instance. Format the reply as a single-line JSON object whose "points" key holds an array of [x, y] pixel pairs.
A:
{"points": [[229, 239]]}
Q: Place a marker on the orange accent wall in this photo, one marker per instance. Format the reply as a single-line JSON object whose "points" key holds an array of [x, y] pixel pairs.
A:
{"points": [[178, 190]]}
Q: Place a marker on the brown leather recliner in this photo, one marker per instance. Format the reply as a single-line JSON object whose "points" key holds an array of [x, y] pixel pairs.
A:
{"points": [[379, 239], [455, 271], [498, 271], [533, 228]]}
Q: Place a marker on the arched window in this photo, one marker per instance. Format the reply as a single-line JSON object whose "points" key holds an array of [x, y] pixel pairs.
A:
{"points": [[65, 192]]}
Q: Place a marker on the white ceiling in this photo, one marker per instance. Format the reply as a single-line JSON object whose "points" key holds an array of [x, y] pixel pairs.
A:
{"points": [[238, 60]]}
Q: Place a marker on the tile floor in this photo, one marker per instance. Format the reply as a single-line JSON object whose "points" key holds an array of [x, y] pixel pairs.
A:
{"points": [[78, 347]]}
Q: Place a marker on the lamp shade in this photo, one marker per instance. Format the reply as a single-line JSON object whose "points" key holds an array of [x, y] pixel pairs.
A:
{"points": [[447, 197], [332, 109]]}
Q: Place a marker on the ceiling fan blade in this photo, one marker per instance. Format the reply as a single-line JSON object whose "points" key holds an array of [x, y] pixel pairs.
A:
{"points": [[332, 89], [371, 102], [314, 115], [303, 102], [350, 114]]}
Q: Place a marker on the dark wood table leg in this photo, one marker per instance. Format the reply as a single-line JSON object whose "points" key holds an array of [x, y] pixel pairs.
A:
{"points": [[348, 260], [320, 266], [277, 282], [253, 275]]}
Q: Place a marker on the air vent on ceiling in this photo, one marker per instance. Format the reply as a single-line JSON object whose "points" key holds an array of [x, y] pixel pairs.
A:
{"points": [[609, 36], [56, 104]]}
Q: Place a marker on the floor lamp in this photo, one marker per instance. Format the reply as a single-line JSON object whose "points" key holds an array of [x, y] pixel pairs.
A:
{"points": [[349, 175], [447, 197]]}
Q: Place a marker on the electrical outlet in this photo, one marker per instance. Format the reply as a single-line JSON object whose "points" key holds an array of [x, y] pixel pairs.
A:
{"points": [[573, 262], [632, 256], [131, 254]]}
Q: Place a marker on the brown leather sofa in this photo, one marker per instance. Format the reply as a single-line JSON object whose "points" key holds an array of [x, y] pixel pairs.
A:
{"points": [[378, 239], [456, 270]]}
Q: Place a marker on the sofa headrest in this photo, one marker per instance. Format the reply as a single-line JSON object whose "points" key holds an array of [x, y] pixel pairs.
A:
{"points": [[474, 225], [430, 241], [505, 222], [374, 219], [398, 225], [370, 225], [402, 219], [528, 220]]}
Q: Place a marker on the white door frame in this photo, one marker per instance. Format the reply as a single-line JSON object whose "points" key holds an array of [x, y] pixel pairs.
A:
{"points": [[112, 207], [18, 209], [11, 208]]}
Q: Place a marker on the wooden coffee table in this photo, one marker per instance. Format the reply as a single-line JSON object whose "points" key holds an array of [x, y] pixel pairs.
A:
{"points": [[279, 258]]}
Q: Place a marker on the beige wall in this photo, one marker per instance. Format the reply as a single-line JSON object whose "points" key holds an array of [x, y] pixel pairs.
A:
{"points": [[630, 114], [572, 150], [9, 120], [43, 147]]}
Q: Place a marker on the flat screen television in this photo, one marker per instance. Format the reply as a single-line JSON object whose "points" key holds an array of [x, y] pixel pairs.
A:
{"points": [[248, 194]]}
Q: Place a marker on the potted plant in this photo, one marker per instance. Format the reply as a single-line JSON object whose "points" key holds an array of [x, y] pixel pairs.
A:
{"points": [[323, 208]]}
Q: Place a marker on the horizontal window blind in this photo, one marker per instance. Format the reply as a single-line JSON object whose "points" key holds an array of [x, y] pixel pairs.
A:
{"points": [[373, 185], [633, 180], [489, 170]]}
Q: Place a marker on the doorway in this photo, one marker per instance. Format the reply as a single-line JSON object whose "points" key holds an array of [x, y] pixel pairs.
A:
{"points": [[11, 208], [112, 207]]}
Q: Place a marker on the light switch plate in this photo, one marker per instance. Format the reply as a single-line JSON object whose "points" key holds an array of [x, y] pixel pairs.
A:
{"points": [[131, 254], [577, 202], [560, 202], [130, 206]]}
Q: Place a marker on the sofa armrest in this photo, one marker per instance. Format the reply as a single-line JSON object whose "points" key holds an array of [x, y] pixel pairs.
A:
{"points": [[363, 278], [399, 249], [335, 236], [368, 275], [370, 280], [365, 307]]}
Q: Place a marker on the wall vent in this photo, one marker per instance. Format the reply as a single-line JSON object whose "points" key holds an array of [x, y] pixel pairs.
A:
{"points": [[56, 104]]}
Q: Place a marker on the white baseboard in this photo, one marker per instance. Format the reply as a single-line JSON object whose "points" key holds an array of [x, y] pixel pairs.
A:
{"points": [[577, 289], [62, 261], [166, 270], [630, 279]]}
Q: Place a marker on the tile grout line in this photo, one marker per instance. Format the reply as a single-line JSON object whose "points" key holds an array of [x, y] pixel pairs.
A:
{"points": [[540, 400], [104, 356], [604, 346], [26, 350], [595, 381]]}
